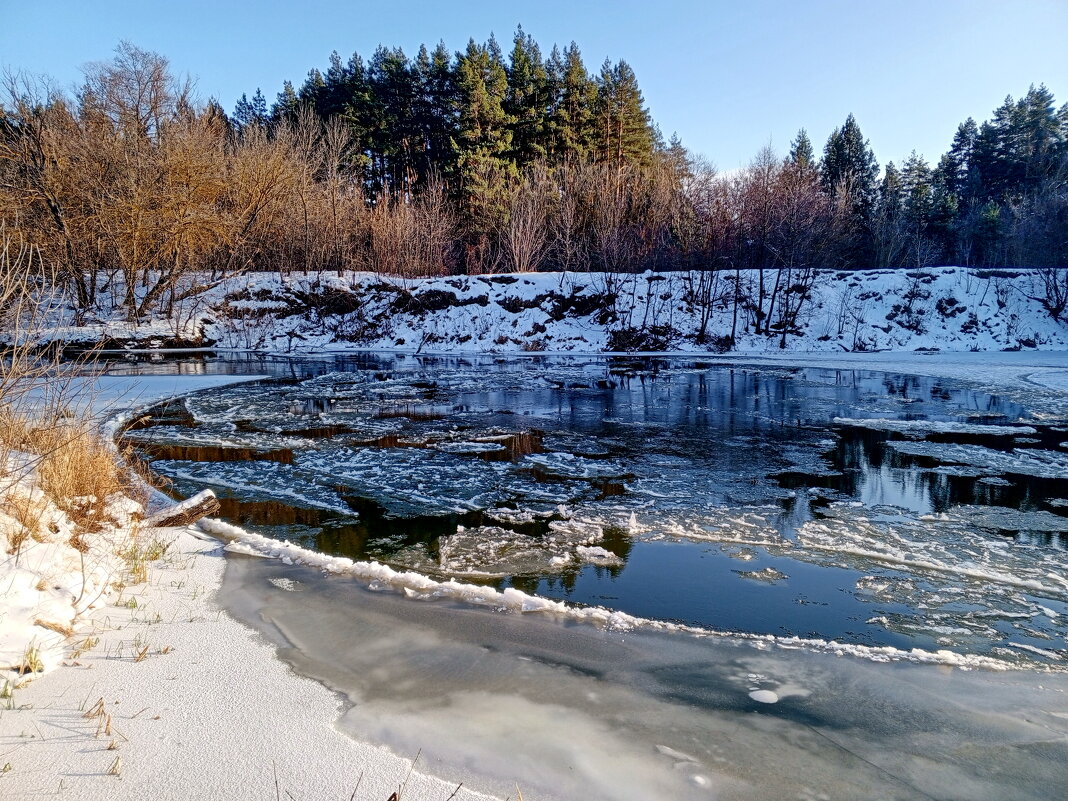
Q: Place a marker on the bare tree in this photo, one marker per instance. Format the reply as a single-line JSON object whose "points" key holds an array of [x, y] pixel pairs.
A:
{"points": [[568, 242]]}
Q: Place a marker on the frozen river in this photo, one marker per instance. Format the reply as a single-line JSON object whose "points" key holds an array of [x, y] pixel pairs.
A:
{"points": [[767, 520]]}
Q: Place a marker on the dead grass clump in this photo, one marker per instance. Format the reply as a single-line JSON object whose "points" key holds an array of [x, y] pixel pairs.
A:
{"points": [[70, 464], [28, 514], [80, 473], [31, 661], [75, 469]]}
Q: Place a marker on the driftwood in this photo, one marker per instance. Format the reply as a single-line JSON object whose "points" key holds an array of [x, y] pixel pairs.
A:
{"points": [[185, 513]]}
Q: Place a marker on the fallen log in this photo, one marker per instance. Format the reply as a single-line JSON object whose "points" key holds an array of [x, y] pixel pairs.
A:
{"points": [[185, 513]]}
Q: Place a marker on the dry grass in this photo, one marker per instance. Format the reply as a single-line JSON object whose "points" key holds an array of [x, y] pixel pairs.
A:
{"points": [[71, 465], [74, 469], [31, 661]]}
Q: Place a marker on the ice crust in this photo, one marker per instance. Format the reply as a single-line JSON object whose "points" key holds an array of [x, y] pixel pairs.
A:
{"points": [[259, 480], [1019, 461], [941, 543], [920, 428], [488, 551], [416, 585]]}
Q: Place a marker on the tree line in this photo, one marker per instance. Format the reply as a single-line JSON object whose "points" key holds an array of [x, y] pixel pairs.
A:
{"points": [[141, 197]]}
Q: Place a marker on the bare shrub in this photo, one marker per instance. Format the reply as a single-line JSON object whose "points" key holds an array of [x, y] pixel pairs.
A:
{"points": [[73, 467], [525, 234]]}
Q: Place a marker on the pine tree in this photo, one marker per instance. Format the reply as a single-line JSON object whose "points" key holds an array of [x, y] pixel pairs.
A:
{"points": [[435, 112], [1041, 137], [891, 192], [958, 171], [571, 120], [357, 107], [848, 170], [677, 158], [527, 101], [483, 136], [849, 161], [311, 92], [802, 156], [482, 84], [1021, 146], [336, 91], [945, 205], [285, 105], [394, 136], [251, 113], [624, 132], [917, 191]]}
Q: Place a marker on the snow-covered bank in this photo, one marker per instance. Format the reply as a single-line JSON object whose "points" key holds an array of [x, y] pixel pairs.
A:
{"points": [[195, 705], [942, 308], [52, 573]]}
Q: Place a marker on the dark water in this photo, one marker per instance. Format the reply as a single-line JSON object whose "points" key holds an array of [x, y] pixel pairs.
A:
{"points": [[722, 497]]}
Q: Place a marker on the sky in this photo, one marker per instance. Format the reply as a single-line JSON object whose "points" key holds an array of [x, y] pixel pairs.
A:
{"points": [[727, 77]]}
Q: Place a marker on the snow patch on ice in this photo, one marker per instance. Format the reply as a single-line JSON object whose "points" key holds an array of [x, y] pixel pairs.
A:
{"points": [[923, 427]]}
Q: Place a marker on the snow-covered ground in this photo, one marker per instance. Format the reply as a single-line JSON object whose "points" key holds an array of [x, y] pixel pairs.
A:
{"points": [[941, 308], [207, 712], [50, 578]]}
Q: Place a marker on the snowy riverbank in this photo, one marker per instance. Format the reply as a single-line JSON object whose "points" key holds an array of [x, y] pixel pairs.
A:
{"points": [[940, 308]]}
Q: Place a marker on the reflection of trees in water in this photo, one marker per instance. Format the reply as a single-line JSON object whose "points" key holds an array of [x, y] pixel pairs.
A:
{"points": [[866, 462]]}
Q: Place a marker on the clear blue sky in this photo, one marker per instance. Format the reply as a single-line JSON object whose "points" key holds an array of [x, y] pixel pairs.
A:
{"points": [[729, 77]]}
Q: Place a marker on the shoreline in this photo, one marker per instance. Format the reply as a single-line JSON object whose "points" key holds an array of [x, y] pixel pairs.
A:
{"points": [[214, 708], [208, 710]]}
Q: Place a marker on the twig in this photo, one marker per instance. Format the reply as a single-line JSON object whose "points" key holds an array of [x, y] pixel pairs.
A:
{"points": [[357, 787], [400, 792]]}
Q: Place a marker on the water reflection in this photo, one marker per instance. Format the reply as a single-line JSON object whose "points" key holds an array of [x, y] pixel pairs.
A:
{"points": [[666, 488]]}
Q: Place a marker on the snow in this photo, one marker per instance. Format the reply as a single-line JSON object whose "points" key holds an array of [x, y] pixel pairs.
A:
{"points": [[184, 506], [209, 707], [923, 427], [943, 308], [51, 579]]}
